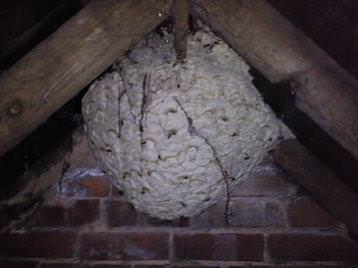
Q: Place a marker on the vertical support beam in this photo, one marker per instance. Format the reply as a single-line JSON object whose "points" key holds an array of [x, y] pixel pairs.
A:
{"points": [[181, 14]]}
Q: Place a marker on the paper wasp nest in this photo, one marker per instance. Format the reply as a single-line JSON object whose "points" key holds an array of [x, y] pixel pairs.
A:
{"points": [[176, 137]]}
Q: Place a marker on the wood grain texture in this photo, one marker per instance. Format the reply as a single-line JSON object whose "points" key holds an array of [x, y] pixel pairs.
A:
{"points": [[68, 60], [324, 90], [181, 14], [320, 181]]}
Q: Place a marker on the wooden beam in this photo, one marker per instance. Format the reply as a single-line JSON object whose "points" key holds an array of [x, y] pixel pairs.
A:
{"points": [[68, 60], [181, 15], [19, 201], [320, 181], [39, 178], [324, 91]]}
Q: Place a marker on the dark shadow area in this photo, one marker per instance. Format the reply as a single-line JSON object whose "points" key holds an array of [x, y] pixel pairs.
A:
{"points": [[53, 132], [25, 23], [281, 99], [331, 24]]}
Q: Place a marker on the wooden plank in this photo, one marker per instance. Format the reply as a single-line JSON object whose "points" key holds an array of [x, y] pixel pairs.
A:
{"points": [[59, 67], [320, 181], [20, 199], [324, 91], [181, 16]]}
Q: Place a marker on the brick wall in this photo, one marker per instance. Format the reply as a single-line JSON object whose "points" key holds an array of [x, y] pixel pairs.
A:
{"points": [[85, 222]]}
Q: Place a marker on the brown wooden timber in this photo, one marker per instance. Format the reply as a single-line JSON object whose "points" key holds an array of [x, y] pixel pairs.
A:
{"points": [[320, 181], [181, 14], [324, 91], [63, 64]]}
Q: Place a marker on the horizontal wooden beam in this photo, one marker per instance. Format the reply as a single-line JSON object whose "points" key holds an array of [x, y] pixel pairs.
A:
{"points": [[324, 91], [68, 60], [320, 181]]}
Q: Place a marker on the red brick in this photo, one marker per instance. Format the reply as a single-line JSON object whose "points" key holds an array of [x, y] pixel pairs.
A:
{"points": [[244, 212], [308, 247], [252, 213], [82, 265], [124, 246], [149, 221], [275, 215], [292, 266], [120, 213], [305, 212], [38, 244], [18, 264], [225, 247], [268, 182], [49, 216], [213, 217], [111, 266], [152, 266], [82, 187], [64, 265], [201, 266], [84, 212], [81, 155], [248, 213], [96, 186]]}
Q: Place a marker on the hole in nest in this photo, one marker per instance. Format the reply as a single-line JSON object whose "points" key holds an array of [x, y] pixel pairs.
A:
{"points": [[246, 156], [171, 111], [172, 133], [183, 204], [108, 149], [224, 118], [144, 190], [234, 134], [125, 175], [119, 192]]}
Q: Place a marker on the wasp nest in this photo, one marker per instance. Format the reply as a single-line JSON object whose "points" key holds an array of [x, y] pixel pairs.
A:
{"points": [[177, 137]]}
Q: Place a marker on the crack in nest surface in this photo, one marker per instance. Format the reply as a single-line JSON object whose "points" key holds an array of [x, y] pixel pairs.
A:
{"points": [[194, 132]]}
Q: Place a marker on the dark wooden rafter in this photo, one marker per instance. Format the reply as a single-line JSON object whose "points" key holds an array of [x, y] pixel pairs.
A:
{"points": [[63, 64], [320, 181], [324, 91], [181, 17]]}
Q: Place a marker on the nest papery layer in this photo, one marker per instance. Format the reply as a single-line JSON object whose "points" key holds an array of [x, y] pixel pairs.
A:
{"points": [[177, 137]]}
